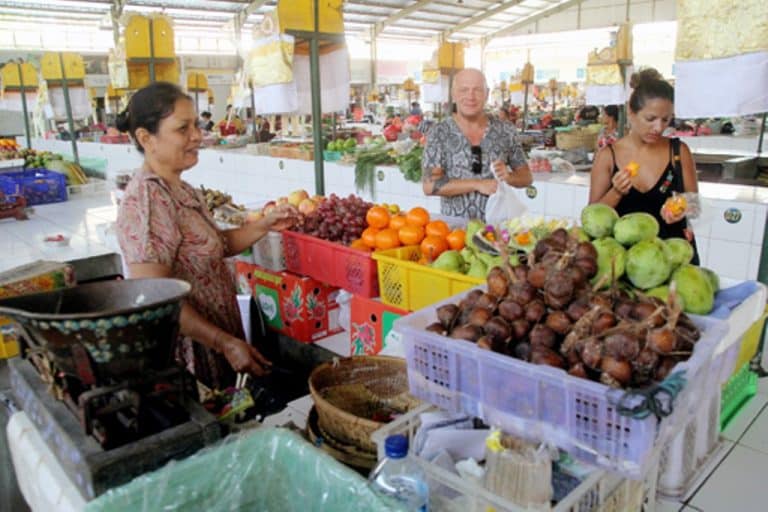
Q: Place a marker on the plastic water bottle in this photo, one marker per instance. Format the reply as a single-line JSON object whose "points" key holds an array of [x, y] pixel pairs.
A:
{"points": [[399, 477]]}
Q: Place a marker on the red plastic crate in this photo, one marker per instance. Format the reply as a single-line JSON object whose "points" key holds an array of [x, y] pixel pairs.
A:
{"points": [[370, 322], [297, 306], [332, 263]]}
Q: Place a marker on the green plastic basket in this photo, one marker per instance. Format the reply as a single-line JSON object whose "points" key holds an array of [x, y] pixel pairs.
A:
{"points": [[737, 393]]}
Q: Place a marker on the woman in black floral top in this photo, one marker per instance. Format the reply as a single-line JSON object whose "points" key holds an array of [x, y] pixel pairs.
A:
{"points": [[466, 153]]}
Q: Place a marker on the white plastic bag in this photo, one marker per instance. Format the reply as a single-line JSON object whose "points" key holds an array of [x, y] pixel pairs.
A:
{"points": [[503, 205]]}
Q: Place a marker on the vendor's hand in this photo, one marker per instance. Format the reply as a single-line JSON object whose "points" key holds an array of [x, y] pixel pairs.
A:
{"points": [[501, 170], [244, 358], [282, 217], [622, 182], [487, 186]]}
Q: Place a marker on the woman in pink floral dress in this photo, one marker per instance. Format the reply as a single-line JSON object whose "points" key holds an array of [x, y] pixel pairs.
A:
{"points": [[165, 230]]}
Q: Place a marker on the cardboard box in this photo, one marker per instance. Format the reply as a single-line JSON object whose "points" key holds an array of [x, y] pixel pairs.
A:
{"points": [[299, 307], [36, 277], [370, 323]]}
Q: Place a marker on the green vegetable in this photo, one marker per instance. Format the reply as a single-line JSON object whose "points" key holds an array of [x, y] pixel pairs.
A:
{"points": [[410, 164], [365, 168]]}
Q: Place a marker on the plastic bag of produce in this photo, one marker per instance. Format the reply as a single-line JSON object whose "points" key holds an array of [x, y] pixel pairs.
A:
{"points": [[503, 205], [263, 469], [270, 61]]}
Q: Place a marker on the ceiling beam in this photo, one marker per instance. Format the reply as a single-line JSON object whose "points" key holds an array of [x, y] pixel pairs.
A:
{"points": [[402, 13], [549, 11], [480, 17], [248, 10]]}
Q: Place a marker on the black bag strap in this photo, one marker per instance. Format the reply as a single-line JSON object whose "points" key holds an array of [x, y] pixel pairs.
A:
{"points": [[677, 165]]}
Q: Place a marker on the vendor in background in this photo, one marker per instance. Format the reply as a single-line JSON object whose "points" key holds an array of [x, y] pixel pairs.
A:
{"points": [[609, 132], [503, 115], [665, 165], [468, 152], [231, 124], [206, 123], [416, 109], [165, 230]]}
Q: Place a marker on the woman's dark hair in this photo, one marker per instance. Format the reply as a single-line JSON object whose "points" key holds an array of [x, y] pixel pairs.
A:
{"points": [[148, 107], [612, 111], [648, 84]]}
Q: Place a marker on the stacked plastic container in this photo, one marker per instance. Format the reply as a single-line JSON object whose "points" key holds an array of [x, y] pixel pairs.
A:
{"points": [[545, 403]]}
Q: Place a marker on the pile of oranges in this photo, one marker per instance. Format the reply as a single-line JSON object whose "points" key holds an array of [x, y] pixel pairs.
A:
{"points": [[388, 231]]}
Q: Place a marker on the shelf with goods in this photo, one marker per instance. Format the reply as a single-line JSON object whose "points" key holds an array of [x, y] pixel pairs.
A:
{"points": [[736, 214]]}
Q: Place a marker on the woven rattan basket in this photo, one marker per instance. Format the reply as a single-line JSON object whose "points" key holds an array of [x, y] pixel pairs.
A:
{"points": [[577, 138], [349, 392]]}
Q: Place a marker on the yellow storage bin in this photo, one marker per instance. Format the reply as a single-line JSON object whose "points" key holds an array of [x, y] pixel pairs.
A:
{"points": [[300, 15], [197, 82], [450, 56], [9, 345], [137, 38], [750, 342], [50, 66], [410, 285], [10, 76], [138, 73]]}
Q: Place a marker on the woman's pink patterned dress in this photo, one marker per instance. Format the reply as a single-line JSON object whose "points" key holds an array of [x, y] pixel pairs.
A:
{"points": [[169, 224]]}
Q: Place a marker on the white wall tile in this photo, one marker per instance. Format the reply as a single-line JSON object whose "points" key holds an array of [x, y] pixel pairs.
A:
{"points": [[754, 261], [580, 197], [758, 225], [702, 244], [738, 232], [536, 205], [729, 259], [559, 201]]}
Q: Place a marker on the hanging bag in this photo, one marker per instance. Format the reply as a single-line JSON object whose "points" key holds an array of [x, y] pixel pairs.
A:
{"points": [[503, 205]]}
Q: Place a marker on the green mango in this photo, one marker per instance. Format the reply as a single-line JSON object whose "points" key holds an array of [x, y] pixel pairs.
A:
{"points": [[477, 269], [473, 227]]}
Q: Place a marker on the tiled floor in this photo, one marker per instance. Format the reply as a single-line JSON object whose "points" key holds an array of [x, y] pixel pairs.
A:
{"points": [[733, 481]]}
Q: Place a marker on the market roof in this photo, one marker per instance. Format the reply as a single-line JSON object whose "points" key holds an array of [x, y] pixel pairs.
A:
{"points": [[402, 19]]}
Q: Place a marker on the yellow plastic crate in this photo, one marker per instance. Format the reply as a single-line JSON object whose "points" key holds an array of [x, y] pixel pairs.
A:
{"points": [[9, 346], [300, 15], [750, 342], [410, 285]]}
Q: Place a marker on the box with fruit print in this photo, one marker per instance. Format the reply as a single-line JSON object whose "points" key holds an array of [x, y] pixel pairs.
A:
{"points": [[299, 307], [370, 322]]}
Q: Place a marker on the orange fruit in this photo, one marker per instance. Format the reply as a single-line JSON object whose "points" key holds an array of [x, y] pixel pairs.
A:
{"points": [[417, 216], [456, 239], [433, 246], [377, 217], [397, 221], [411, 235], [359, 245], [369, 237], [437, 228], [387, 239]]}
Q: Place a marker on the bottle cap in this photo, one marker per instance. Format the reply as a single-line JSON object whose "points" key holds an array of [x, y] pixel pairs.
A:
{"points": [[396, 446]]}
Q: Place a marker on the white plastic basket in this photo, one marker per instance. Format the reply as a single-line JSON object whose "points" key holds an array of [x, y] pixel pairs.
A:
{"points": [[598, 492], [268, 252], [94, 186], [544, 403]]}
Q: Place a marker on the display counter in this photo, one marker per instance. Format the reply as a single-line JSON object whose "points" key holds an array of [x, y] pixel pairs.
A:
{"points": [[730, 234]]}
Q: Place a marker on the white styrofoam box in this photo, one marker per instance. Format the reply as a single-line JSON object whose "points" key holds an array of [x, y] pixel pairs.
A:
{"points": [[741, 318], [244, 304], [42, 481], [702, 245], [754, 261], [559, 201], [729, 259], [740, 231], [758, 225]]}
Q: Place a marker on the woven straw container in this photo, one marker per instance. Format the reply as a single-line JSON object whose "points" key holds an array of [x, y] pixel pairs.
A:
{"points": [[353, 394], [578, 138]]}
